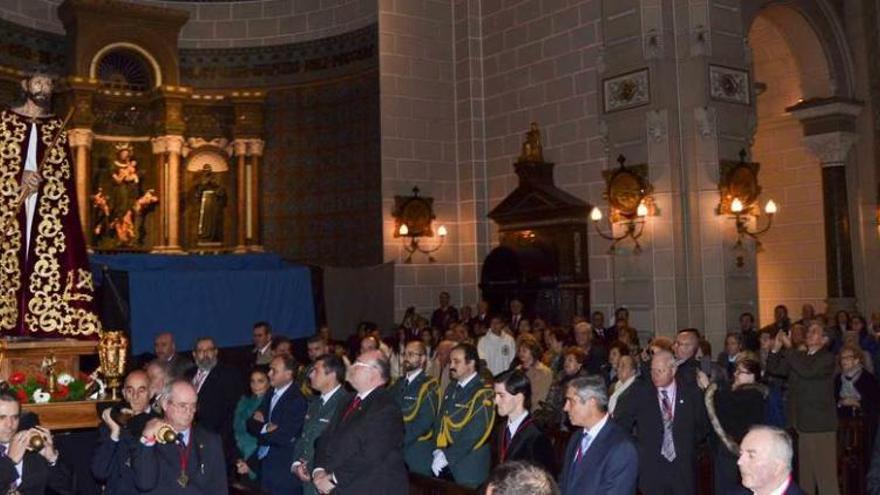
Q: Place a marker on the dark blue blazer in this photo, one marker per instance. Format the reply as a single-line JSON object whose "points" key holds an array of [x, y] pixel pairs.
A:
{"points": [[610, 466], [157, 468], [289, 415]]}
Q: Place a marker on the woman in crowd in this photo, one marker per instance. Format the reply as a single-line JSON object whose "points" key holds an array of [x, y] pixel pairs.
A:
{"points": [[727, 357], [857, 392], [554, 340], [519, 438], [549, 413], [528, 351], [615, 351], [247, 463], [733, 409]]}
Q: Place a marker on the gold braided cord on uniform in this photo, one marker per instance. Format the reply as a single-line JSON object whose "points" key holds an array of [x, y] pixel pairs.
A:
{"points": [[46, 311], [447, 426], [12, 133], [423, 391]]}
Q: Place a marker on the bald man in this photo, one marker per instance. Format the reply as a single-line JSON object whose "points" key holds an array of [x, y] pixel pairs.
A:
{"points": [[166, 352], [193, 465], [111, 463]]}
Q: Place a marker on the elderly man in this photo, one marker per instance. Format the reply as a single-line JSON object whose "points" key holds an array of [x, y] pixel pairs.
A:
{"points": [[600, 457], [363, 451], [276, 425], [811, 408], [669, 417], [191, 465], [23, 470], [626, 376], [416, 394], [262, 338], [111, 462], [464, 423], [166, 351], [326, 376], [596, 357], [765, 462], [157, 372]]}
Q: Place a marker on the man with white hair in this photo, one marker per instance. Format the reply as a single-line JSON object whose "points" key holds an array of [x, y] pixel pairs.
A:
{"points": [[596, 356], [765, 462]]}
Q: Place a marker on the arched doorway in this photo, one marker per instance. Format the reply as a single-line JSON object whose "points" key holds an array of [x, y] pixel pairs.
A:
{"points": [[790, 61]]}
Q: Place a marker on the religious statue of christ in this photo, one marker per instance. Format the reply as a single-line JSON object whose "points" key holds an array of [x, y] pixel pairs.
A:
{"points": [[46, 288]]}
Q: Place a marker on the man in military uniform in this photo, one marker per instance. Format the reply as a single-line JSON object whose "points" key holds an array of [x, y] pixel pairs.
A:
{"points": [[464, 422], [326, 375], [416, 393]]}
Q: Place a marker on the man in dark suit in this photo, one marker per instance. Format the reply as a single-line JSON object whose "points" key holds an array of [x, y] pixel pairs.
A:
{"points": [[276, 424], [191, 465], [765, 462], [111, 462], [445, 315], [686, 345], [326, 375], [596, 356], [362, 452], [416, 394], [670, 419], [519, 437], [600, 458], [219, 387], [166, 351], [26, 471]]}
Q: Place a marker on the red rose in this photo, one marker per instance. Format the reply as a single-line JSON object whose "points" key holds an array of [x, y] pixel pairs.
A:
{"points": [[22, 396], [61, 392], [17, 378], [41, 378]]}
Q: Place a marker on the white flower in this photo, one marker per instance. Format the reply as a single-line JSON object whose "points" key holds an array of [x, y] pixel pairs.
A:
{"points": [[64, 379], [41, 397]]}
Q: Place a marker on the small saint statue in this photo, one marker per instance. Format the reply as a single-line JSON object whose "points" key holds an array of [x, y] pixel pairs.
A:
{"points": [[211, 198], [532, 150]]}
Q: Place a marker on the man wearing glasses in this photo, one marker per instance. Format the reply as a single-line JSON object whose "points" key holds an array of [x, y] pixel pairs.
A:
{"points": [[193, 464], [416, 394], [362, 453]]}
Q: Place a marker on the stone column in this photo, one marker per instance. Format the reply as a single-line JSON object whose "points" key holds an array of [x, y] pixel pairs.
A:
{"points": [[240, 146], [832, 149], [829, 132], [81, 142], [175, 147], [255, 153]]}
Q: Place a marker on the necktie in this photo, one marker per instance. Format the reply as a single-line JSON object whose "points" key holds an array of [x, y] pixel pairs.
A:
{"points": [[263, 451], [582, 447], [199, 378], [667, 450], [351, 408]]}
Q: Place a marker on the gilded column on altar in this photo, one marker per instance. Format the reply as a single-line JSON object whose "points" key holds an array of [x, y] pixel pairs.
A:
{"points": [[81, 141], [255, 154], [160, 148], [175, 147], [240, 147]]}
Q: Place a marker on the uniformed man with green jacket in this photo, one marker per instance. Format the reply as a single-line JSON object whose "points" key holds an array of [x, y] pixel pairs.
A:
{"points": [[464, 424], [416, 393], [326, 378]]}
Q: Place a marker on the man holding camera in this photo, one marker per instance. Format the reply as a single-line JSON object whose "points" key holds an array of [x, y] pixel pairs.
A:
{"points": [[118, 436], [28, 459], [175, 457]]}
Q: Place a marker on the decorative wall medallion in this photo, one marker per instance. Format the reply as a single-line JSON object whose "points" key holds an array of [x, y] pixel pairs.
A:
{"points": [[627, 91], [729, 84]]}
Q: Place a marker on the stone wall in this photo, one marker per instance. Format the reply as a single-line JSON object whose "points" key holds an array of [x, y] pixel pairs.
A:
{"points": [[229, 24]]}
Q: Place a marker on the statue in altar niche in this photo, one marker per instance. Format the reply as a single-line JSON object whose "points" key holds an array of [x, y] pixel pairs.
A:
{"points": [[211, 200], [120, 212], [532, 149], [46, 287]]}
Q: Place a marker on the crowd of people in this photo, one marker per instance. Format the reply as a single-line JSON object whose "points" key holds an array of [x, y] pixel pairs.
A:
{"points": [[467, 397]]}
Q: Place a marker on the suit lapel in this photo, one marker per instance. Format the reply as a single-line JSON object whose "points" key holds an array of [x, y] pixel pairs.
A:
{"points": [[593, 458]]}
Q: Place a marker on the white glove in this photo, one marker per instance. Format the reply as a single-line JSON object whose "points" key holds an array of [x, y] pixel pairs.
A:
{"points": [[439, 462]]}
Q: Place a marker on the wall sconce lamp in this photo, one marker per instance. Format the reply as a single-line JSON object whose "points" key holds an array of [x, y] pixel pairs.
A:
{"points": [[739, 191], [628, 193], [414, 216]]}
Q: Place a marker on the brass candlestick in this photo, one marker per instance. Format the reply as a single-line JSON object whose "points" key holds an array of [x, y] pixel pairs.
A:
{"points": [[112, 353]]}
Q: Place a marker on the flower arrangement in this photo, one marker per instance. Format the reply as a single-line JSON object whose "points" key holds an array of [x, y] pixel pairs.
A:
{"points": [[34, 389]]}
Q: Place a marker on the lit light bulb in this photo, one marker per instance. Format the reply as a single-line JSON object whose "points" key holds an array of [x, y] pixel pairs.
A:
{"points": [[642, 210], [736, 206], [596, 214], [404, 230], [441, 231], [770, 208]]}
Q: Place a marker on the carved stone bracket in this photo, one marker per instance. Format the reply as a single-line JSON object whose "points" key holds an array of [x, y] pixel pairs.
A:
{"points": [[831, 148], [656, 125], [704, 120]]}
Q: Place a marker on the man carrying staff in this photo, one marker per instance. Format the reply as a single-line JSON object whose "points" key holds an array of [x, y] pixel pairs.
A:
{"points": [[46, 289]]}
